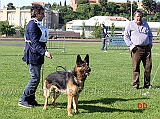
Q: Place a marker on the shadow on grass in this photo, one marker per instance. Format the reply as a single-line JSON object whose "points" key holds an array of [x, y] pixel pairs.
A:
{"points": [[93, 108], [90, 106], [107, 100]]}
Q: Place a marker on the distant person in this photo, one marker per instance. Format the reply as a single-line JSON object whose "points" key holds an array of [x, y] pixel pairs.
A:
{"points": [[35, 37], [104, 34], [138, 38]]}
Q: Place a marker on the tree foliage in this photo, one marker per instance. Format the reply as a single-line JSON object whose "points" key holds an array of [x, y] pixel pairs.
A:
{"points": [[112, 29], [158, 7], [26, 7], [96, 31], [149, 6], [158, 32], [10, 6], [83, 30], [82, 2], [85, 11], [7, 29]]}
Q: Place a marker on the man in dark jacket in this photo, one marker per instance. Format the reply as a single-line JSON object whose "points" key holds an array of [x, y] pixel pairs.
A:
{"points": [[35, 37], [104, 34]]}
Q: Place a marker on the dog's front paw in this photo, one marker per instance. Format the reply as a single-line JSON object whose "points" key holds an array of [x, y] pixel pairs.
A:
{"points": [[44, 108], [70, 114], [77, 112]]}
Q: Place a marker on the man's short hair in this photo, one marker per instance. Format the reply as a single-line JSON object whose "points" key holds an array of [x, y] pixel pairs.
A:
{"points": [[36, 8], [138, 11], [103, 25]]}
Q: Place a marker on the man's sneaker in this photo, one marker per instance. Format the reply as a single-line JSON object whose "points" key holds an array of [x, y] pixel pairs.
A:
{"points": [[35, 103], [150, 87], [25, 104]]}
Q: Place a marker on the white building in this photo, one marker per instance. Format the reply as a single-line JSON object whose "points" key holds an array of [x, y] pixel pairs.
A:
{"points": [[19, 16], [119, 22]]}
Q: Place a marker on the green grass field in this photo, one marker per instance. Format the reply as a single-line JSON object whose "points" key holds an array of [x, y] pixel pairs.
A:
{"points": [[107, 93]]}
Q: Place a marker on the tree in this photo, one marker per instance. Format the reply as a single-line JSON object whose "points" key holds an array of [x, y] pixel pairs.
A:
{"points": [[60, 3], [112, 29], [95, 10], [134, 6], [96, 32], [7, 29], [54, 6], [83, 29], [148, 5], [64, 28], [66, 13], [65, 4], [83, 11], [82, 2], [48, 5], [10, 6], [103, 4], [26, 7], [158, 32], [113, 8], [54, 27], [22, 29]]}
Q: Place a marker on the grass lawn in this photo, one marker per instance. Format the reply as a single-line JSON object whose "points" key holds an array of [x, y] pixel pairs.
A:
{"points": [[107, 93]]}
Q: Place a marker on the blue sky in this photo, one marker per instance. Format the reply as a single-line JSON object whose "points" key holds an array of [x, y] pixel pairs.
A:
{"points": [[21, 3]]}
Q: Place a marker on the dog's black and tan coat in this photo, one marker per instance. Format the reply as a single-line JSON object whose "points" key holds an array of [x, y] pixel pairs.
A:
{"points": [[70, 83]]}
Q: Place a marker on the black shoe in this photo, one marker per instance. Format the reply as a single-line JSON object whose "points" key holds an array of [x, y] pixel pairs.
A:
{"points": [[25, 104], [150, 87], [35, 103]]}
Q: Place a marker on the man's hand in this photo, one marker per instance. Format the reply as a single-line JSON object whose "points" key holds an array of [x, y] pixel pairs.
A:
{"points": [[48, 55], [134, 49]]}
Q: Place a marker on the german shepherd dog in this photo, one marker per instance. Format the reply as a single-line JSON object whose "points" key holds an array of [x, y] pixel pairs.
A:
{"points": [[70, 83]]}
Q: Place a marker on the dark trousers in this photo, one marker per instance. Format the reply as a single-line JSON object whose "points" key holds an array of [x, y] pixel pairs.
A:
{"points": [[143, 53], [103, 44], [29, 92]]}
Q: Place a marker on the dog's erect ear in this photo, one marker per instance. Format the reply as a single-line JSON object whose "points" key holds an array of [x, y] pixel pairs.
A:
{"points": [[78, 59], [87, 59]]}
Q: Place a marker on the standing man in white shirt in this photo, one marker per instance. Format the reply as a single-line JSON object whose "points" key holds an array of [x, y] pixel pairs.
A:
{"points": [[138, 38]]}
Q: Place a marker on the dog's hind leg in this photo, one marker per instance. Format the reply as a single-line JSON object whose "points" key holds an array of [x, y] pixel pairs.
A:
{"points": [[53, 100], [75, 103], [69, 106]]}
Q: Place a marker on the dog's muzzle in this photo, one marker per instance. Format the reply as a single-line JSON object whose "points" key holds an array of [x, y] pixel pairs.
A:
{"points": [[87, 71]]}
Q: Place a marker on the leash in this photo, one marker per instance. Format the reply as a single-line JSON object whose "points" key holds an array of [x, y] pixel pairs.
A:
{"points": [[42, 69], [42, 76], [59, 64]]}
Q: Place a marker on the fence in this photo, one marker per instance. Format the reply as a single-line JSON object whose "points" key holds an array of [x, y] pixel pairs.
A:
{"points": [[56, 41]]}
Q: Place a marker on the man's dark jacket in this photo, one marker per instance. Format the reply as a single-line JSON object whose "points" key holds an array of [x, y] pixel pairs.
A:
{"points": [[34, 51], [103, 33]]}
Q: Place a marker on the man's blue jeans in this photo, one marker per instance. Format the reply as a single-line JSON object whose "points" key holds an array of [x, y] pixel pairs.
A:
{"points": [[29, 92], [103, 44]]}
